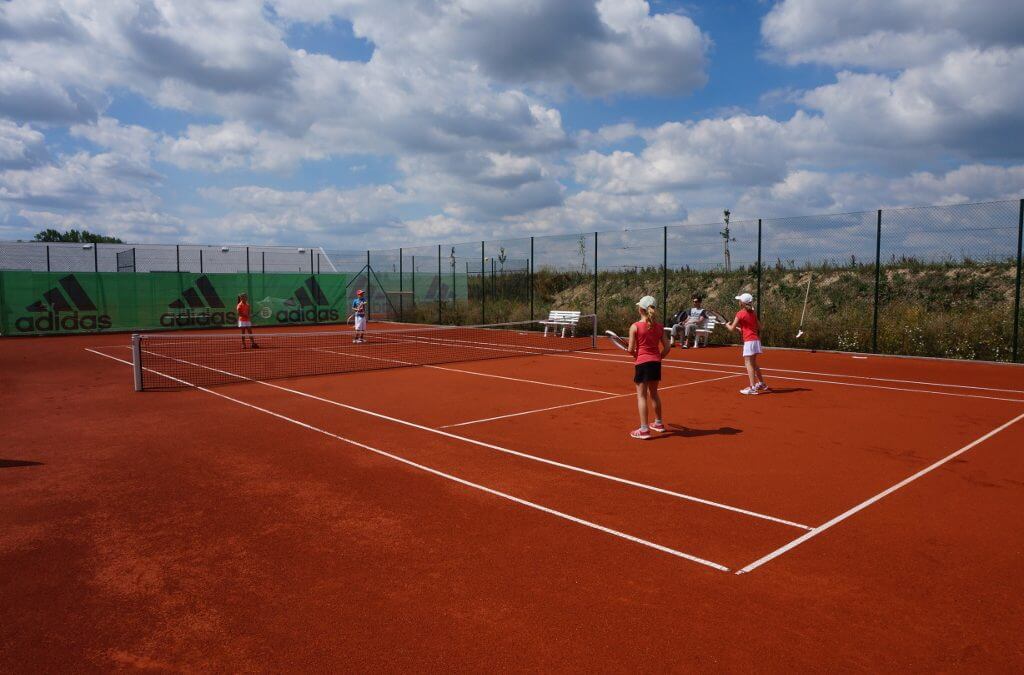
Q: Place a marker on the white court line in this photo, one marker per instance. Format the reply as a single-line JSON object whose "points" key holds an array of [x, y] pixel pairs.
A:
{"points": [[856, 377], [498, 448], [442, 474], [863, 505], [667, 364], [569, 405], [467, 372]]}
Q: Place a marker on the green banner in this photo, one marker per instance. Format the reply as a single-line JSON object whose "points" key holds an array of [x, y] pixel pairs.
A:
{"points": [[33, 303]]}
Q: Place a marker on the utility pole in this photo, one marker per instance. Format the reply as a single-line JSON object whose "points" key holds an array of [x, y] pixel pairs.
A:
{"points": [[725, 241]]}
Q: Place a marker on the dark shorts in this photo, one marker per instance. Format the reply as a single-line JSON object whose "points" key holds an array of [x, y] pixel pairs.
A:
{"points": [[647, 372]]}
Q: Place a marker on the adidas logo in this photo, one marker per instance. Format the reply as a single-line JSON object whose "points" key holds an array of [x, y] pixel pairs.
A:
{"points": [[63, 307], [310, 305], [194, 307]]}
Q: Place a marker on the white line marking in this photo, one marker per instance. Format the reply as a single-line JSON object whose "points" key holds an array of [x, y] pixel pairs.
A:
{"points": [[442, 474], [855, 377], [863, 505], [498, 448], [569, 405], [467, 372], [612, 359]]}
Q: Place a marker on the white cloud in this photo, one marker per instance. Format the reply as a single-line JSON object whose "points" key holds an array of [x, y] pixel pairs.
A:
{"points": [[21, 146], [887, 34]]}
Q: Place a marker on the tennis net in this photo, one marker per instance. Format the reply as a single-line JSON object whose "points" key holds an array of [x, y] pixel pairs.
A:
{"points": [[176, 360]]}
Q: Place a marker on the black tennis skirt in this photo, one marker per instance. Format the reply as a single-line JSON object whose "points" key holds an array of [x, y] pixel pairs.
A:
{"points": [[647, 372]]}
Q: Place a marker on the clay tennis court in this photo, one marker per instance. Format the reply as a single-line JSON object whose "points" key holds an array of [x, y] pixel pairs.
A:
{"points": [[495, 515]]}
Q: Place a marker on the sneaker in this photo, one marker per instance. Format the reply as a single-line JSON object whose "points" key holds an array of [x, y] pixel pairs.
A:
{"points": [[640, 434], [658, 427], [761, 386], [750, 391]]}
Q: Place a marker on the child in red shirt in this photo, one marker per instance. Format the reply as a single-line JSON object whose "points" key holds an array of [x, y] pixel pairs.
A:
{"points": [[245, 319], [748, 325], [648, 345]]}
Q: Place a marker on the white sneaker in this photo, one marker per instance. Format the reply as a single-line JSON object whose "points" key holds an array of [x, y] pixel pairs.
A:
{"points": [[761, 386], [750, 391]]}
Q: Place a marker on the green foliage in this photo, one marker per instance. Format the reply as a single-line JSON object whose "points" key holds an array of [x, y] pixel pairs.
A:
{"points": [[74, 236], [947, 309]]}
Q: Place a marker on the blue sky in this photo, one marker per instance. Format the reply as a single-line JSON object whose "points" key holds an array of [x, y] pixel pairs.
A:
{"points": [[355, 124]]}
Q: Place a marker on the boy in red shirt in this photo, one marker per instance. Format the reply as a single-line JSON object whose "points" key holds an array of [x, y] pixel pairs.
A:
{"points": [[748, 325]]}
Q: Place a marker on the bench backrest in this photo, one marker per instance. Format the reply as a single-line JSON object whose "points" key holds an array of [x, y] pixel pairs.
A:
{"points": [[564, 316], [709, 323]]}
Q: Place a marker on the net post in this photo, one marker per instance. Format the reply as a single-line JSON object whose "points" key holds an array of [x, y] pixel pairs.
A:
{"points": [[1016, 292], [878, 277], [137, 360]]}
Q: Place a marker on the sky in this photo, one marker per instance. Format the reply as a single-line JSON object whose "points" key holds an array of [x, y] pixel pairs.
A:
{"points": [[376, 123]]}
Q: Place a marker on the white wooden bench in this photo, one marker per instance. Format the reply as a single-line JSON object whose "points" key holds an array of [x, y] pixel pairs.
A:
{"points": [[566, 321], [703, 330]]}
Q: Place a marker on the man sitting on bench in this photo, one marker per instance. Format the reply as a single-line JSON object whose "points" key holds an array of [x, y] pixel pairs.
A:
{"points": [[687, 321]]}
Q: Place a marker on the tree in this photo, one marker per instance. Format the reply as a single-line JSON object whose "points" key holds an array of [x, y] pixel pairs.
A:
{"points": [[75, 236]]}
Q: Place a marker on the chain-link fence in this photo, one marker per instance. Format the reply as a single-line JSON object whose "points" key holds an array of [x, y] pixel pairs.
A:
{"points": [[935, 281]]}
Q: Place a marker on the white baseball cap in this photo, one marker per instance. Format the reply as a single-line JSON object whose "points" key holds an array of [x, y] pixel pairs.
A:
{"points": [[647, 302], [745, 298]]}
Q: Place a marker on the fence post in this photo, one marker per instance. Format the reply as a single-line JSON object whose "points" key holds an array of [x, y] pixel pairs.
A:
{"points": [[757, 301], [401, 288], [47, 257], [664, 275], [595, 274], [439, 284], [531, 278], [369, 290], [177, 257], [247, 260], [311, 261], [1016, 292], [263, 261], [95, 257], [483, 287], [413, 281], [878, 276], [200, 261]]}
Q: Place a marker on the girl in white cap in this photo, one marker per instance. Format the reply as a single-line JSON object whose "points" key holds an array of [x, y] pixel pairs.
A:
{"points": [[748, 325], [648, 345]]}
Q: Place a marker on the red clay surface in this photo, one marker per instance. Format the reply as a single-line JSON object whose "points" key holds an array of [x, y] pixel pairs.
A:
{"points": [[185, 531]]}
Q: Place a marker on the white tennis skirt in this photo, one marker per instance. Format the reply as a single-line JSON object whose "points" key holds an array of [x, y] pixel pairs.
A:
{"points": [[752, 347], [361, 322], [244, 324]]}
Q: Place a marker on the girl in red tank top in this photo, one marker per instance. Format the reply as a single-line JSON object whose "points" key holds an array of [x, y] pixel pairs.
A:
{"points": [[648, 345]]}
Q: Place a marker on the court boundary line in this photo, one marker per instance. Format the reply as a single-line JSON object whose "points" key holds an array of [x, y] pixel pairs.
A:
{"points": [[871, 500], [437, 472], [508, 451], [611, 358], [593, 400], [467, 372]]}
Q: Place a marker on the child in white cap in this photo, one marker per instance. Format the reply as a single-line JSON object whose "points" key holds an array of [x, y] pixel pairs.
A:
{"points": [[748, 325], [648, 345]]}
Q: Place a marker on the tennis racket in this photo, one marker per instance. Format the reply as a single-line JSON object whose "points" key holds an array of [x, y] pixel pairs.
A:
{"points": [[617, 341]]}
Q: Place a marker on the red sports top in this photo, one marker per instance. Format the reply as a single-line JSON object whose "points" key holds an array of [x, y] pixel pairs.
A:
{"points": [[648, 342], [243, 311], [748, 324]]}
